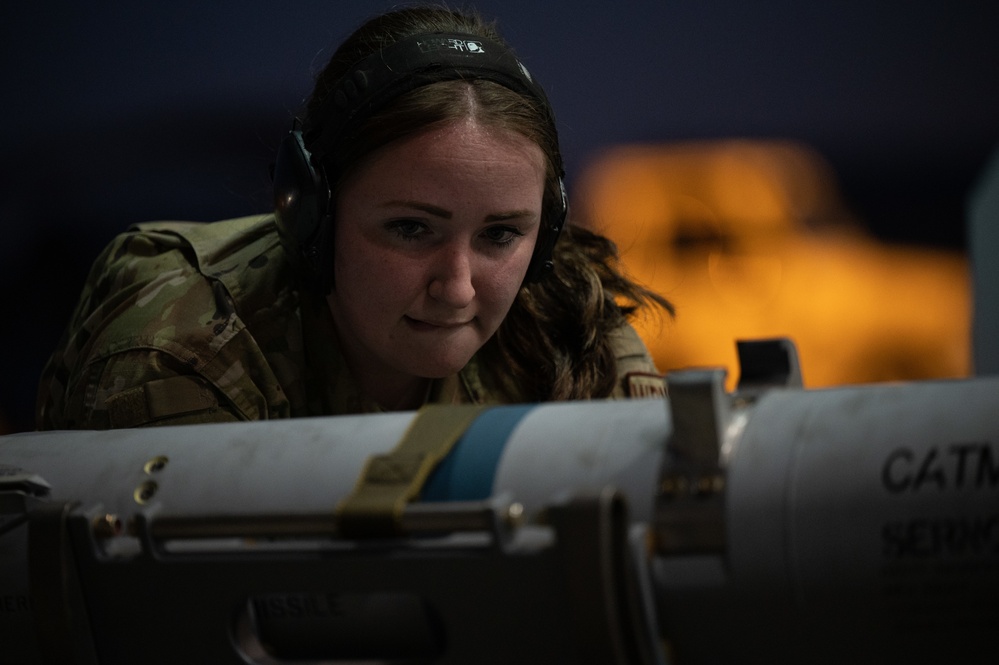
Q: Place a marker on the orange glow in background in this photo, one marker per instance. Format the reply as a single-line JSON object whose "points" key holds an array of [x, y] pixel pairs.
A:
{"points": [[749, 240]]}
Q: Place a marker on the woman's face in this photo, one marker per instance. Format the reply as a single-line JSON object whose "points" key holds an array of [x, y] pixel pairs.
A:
{"points": [[433, 238]]}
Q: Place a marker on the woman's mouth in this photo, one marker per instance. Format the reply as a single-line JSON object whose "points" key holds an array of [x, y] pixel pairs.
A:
{"points": [[430, 325]]}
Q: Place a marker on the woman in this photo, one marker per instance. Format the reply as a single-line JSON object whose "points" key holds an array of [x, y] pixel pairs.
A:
{"points": [[416, 256]]}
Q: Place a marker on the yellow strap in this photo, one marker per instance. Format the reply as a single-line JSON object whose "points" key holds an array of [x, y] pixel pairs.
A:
{"points": [[390, 481]]}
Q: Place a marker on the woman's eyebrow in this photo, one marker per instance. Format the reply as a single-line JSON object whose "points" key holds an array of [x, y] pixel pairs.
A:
{"points": [[437, 211], [506, 216]]}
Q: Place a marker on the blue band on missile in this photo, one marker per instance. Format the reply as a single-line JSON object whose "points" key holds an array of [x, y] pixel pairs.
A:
{"points": [[467, 473]]}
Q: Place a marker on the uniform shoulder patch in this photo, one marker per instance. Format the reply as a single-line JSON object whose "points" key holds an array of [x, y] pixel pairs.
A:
{"points": [[644, 384], [159, 399]]}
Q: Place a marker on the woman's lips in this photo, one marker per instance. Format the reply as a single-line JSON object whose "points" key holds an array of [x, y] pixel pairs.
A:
{"points": [[420, 324]]}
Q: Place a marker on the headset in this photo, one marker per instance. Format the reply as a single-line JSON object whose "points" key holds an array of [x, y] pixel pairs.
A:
{"points": [[303, 192]]}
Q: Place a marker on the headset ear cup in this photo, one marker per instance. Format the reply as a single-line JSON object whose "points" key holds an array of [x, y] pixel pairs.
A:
{"points": [[301, 201], [542, 260]]}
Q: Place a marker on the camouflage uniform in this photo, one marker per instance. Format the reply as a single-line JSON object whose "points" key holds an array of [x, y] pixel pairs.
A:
{"points": [[183, 322]]}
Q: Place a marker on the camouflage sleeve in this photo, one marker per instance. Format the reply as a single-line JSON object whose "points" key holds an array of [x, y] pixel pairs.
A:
{"points": [[55, 402], [147, 327], [637, 375], [136, 389]]}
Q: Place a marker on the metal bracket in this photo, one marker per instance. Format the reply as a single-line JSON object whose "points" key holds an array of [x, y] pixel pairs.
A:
{"points": [[766, 364], [562, 590], [690, 502], [690, 505]]}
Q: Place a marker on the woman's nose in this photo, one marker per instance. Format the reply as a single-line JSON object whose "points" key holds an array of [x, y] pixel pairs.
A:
{"points": [[451, 277]]}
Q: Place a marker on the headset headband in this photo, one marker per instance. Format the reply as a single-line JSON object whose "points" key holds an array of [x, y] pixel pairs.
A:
{"points": [[411, 63]]}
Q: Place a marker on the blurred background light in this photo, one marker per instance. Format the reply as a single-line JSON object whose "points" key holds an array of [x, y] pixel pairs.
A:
{"points": [[750, 239]]}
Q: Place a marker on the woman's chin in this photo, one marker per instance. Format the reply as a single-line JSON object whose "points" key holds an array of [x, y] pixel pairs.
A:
{"points": [[439, 368]]}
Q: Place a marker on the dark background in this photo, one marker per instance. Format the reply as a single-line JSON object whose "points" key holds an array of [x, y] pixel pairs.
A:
{"points": [[118, 112]]}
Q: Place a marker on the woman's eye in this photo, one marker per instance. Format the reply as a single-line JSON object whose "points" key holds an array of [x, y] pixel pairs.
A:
{"points": [[408, 229], [501, 235]]}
